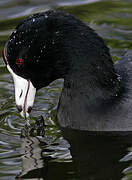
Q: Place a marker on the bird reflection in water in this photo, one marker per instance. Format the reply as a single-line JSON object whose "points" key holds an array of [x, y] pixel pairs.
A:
{"points": [[100, 156], [43, 157], [32, 163], [94, 156]]}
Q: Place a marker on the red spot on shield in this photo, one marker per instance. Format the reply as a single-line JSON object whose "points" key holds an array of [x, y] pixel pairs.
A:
{"points": [[4, 57]]}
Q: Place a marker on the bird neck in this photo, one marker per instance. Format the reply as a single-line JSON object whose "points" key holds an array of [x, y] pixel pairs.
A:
{"points": [[93, 79]]}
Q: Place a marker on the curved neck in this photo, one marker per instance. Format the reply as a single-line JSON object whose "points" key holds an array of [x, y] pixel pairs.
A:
{"points": [[94, 78]]}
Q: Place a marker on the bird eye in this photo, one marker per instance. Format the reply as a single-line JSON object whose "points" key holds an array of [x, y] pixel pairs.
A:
{"points": [[19, 62]]}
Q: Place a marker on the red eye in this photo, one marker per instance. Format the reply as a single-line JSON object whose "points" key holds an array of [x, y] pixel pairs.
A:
{"points": [[19, 61]]}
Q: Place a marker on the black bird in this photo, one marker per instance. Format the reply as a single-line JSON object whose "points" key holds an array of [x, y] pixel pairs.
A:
{"points": [[97, 94]]}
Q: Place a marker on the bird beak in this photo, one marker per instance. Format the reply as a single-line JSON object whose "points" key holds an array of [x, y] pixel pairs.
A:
{"points": [[24, 93]]}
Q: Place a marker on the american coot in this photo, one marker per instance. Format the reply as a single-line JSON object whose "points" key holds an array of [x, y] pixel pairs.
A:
{"points": [[97, 94]]}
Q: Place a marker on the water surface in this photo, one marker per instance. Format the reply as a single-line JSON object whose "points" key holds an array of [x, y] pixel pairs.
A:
{"points": [[84, 157]]}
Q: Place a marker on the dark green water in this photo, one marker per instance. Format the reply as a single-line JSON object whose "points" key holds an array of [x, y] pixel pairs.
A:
{"points": [[50, 158]]}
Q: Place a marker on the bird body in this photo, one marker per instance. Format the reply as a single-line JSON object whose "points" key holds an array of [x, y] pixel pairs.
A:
{"points": [[97, 94]]}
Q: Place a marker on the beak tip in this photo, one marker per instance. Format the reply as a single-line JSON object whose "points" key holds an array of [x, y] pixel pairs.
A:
{"points": [[24, 114], [29, 109], [19, 107]]}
